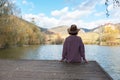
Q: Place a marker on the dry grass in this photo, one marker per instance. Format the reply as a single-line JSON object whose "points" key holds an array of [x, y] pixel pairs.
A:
{"points": [[88, 38]]}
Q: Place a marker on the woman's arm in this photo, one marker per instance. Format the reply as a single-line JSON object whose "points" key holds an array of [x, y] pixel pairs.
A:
{"points": [[82, 51], [64, 52]]}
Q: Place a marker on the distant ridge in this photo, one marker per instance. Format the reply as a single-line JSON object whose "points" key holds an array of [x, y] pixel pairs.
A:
{"points": [[86, 30], [59, 29], [99, 28], [43, 29], [63, 29]]}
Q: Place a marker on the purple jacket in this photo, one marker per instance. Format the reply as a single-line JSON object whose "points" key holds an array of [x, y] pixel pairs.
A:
{"points": [[73, 49]]}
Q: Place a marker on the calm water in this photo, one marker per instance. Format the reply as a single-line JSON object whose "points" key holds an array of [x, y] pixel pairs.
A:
{"points": [[107, 57]]}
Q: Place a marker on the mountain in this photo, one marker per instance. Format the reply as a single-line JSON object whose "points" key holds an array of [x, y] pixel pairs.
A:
{"points": [[43, 29], [100, 28], [63, 29], [97, 29], [59, 29], [86, 30]]}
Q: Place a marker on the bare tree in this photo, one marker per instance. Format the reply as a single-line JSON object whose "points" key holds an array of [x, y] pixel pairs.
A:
{"points": [[7, 7], [2, 4]]}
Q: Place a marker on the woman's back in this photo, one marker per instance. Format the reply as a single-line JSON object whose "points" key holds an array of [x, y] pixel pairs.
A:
{"points": [[73, 48], [73, 45]]}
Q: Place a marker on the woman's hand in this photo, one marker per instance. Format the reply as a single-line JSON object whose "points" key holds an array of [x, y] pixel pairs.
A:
{"points": [[85, 61], [61, 60]]}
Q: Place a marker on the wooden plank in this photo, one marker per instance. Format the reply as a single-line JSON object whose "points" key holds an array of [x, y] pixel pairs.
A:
{"points": [[50, 70]]}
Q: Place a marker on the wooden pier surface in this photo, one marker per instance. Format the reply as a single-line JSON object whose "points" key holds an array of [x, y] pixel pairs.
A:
{"points": [[50, 70]]}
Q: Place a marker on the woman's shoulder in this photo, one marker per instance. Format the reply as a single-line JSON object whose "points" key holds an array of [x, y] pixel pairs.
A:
{"points": [[73, 36], [78, 37], [68, 37]]}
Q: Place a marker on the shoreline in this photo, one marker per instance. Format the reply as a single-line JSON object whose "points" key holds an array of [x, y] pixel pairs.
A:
{"points": [[102, 44]]}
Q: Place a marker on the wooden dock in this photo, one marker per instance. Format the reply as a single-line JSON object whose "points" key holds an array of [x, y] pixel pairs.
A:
{"points": [[50, 70]]}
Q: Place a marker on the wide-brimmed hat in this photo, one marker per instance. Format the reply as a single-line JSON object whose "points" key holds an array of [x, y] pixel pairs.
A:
{"points": [[73, 29]]}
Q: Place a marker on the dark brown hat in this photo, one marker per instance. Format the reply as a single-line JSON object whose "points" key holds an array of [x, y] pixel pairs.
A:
{"points": [[73, 29]]}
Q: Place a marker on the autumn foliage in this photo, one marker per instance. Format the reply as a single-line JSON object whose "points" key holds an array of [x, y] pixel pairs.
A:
{"points": [[110, 33], [15, 31]]}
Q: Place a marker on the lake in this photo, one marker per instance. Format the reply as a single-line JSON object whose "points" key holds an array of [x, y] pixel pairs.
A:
{"points": [[107, 56]]}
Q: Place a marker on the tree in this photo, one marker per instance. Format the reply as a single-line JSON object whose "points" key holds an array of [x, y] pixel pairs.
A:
{"points": [[110, 33], [116, 3], [7, 7]]}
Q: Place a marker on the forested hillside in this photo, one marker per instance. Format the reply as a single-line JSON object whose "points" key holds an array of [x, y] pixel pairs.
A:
{"points": [[15, 31]]}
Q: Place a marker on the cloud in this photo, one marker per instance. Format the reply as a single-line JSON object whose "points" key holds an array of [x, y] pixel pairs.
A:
{"points": [[66, 13], [102, 2], [87, 5], [67, 16], [114, 11], [60, 12], [41, 20], [100, 14], [13, 1], [24, 2], [28, 4], [48, 22]]}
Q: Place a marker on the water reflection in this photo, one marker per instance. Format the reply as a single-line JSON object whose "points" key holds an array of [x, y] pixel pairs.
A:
{"points": [[50, 52], [18, 52], [107, 57]]}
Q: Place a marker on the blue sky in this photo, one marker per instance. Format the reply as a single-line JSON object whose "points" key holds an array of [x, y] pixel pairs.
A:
{"points": [[52, 13]]}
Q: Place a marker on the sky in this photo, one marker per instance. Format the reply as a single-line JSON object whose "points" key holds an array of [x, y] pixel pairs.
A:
{"points": [[84, 13]]}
